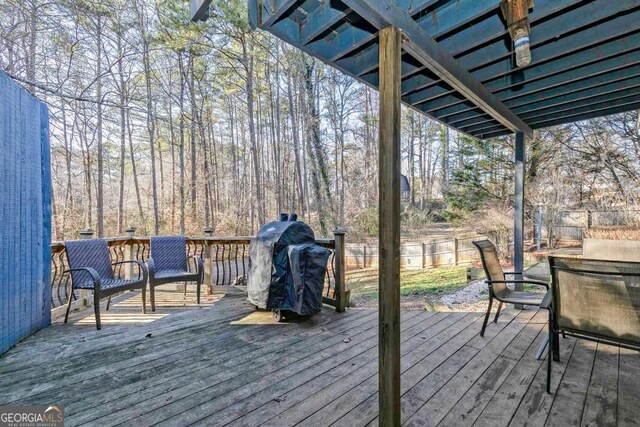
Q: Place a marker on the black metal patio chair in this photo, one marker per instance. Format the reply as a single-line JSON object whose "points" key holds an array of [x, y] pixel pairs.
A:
{"points": [[91, 269], [499, 286], [595, 300], [168, 263]]}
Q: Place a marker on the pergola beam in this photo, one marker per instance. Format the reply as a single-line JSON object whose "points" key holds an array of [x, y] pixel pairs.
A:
{"points": [[539, 80], [382, 13], [449, 20], [466, 41], [572, 118], [278, 10], [493, 47], [610, 99], [323, 18], [550, 55], [574, 91], [353, 38], [592, 113]]}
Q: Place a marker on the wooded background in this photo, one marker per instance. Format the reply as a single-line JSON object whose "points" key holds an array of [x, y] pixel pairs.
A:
{"points": [[172, 126]]}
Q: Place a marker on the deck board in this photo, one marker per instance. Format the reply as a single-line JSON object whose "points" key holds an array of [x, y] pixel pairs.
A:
{"points": [[568, 405], [224, 363], [628, 403], [218, 367], [600, 407]]}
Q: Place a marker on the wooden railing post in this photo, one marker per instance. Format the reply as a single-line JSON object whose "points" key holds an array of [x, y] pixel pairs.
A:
{"points": [[455, 251], [87, 233], [364, 256], [340, 286], [129, 253], [208, 232]]}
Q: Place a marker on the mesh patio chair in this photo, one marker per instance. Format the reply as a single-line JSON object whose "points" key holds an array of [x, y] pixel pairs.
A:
{"points": [[595, 300], [498, 284], [91, 268], [168, 263]]}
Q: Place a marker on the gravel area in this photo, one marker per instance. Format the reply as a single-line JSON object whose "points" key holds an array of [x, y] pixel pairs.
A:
{"points": [[473, 297]]}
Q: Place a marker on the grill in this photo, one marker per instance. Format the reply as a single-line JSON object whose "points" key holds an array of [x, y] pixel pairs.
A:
{"points": [[286, 268]]}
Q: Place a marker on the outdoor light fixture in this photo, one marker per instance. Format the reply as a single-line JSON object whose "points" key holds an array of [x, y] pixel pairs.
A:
{"points": [[516, 12]]}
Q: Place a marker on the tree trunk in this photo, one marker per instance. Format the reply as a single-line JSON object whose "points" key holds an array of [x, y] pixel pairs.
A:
{"points": [[100, 177], [134, 170], [192, 141], [248, 65], [151, 130], [181, 149], [123, 135], [296, 145]]}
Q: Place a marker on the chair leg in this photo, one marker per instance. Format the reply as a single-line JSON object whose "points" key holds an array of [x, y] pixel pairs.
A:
{"points": [[185, 289], [152, 297], [144, 300], [486, 317], [108, 303], [66, 316], [198, 291], [556, 347], [551, 344], [96, 309], [495, 319]]}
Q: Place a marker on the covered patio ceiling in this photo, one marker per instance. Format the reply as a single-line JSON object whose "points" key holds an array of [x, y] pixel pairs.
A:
{"points": [[458, 64]]}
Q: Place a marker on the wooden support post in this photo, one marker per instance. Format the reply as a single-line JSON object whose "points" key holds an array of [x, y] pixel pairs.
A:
{"points": [[130, 254], [518, 220], [389, 223], [208, 232], [340, 286]]}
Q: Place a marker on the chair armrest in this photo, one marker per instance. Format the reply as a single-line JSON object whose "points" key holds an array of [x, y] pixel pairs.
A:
{"points": [[528, 282], [546, 301], [95, 277], [151, 264], [199, 264], [512, 273], [140, 264]]}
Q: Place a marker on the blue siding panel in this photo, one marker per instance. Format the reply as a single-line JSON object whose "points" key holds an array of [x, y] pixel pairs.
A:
{"points": [[25, 214], [44, 303]]}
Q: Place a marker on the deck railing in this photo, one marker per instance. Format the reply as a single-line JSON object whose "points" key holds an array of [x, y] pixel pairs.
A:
{"points": [[226, 262]]}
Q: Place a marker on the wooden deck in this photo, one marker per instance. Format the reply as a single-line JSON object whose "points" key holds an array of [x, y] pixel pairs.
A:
{"points": [[224, 363]]}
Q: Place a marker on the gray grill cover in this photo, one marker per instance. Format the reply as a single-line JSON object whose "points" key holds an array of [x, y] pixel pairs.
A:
{"points": [[286, 268]]}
